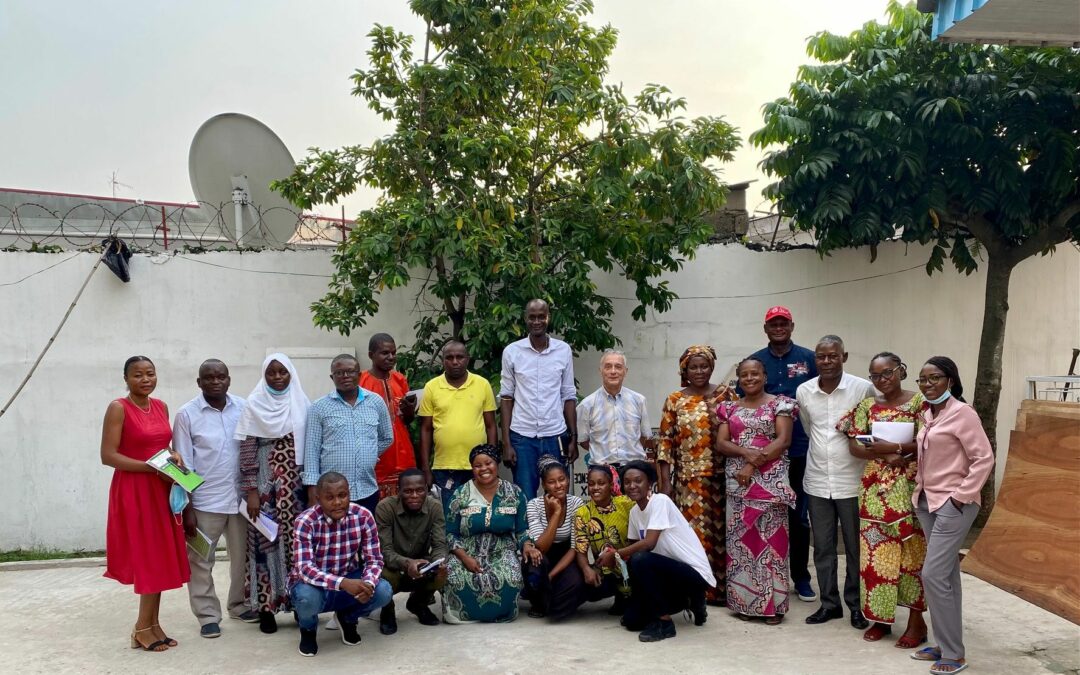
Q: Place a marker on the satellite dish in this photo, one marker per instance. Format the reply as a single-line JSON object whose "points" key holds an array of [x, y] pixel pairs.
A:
{"points": [[233, 159]]}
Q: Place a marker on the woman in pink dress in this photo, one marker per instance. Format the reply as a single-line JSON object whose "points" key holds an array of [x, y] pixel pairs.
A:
{"points": [[144, 541]]}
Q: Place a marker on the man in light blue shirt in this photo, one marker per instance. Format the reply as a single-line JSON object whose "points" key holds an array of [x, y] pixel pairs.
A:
{"points": [[347, 431], [613, 421], [539, 399], [203, 432]]}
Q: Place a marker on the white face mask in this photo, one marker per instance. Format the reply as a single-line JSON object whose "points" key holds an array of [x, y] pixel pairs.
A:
{"points": [[940, 399]]}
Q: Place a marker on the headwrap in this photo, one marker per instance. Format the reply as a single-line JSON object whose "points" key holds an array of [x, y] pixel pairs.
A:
{"points": [[270, 415], [485, 449], [695, 350]]}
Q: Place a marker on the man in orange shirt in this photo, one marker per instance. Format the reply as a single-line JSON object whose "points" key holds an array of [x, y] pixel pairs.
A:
{"points": [[392, 386]]}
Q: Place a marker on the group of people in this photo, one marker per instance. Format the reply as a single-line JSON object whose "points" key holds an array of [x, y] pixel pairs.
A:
{"points": [[718, 508]]}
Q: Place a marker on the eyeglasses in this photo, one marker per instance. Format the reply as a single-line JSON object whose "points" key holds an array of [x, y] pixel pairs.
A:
{"points": [[345, 373], [885, 374], [930, 380]]}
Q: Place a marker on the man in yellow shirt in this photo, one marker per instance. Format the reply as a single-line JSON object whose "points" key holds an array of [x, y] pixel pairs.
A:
{"points": [[457, 413]]}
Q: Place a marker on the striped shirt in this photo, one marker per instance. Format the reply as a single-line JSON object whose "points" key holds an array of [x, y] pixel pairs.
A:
{"points": [[347, 439], [324, 552], [613, 426], [538, 522]]}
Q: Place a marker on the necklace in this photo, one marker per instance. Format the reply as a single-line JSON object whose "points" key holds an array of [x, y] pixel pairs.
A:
{"points": [[148, 407]]}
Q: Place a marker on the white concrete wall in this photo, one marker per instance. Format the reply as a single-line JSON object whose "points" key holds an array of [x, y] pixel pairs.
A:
{"points": [[180, 310]]}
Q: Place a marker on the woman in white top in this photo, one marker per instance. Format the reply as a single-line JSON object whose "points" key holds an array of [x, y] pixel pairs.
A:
{"points": [[554, 585], [669, 570]]}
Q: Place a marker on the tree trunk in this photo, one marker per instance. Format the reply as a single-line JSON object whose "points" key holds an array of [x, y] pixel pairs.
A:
{"points": [[988, 375]]}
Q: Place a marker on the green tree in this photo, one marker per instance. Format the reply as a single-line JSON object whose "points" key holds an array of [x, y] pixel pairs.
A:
{"points": [[970, 148], [512, 172]]}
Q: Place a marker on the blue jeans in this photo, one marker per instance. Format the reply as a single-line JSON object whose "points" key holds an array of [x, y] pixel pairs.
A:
{"points": [[448, 481], [310, 601], [528, 452]]}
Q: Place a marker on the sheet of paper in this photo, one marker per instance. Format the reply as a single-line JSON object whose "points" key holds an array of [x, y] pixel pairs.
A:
{"points": [[432, 565], [264, 524], [893, 432], [201, 544]]}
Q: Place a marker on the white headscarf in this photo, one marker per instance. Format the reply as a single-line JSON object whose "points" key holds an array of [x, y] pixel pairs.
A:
{"points": [[269, 416]]}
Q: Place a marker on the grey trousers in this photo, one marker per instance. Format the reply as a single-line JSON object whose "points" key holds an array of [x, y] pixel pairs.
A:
{"points": [[824, 516], [945, 531], [204, 600]]}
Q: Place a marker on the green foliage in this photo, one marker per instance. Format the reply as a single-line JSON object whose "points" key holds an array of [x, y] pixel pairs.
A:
{"points": [[966, 147], [512, 172]]}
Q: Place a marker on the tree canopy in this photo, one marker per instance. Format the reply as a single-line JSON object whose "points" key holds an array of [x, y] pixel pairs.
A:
{"points": [[972, 149], [513, 171]]}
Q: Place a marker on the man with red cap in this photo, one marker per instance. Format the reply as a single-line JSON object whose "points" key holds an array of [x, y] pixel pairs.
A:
{"points": [[787, 365]]}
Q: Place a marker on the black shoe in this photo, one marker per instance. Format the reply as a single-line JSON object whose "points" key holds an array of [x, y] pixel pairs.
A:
{"points": [[537, 612], [618, 608], [309, 646], [268, 624], [424, 615], [858, 620], [657, 631], [349, 635], [697, 608], [823, 615], [388, 620]]}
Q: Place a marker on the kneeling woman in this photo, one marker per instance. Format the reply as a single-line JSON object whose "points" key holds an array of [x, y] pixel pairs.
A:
{"points": [[486, 528], [555, 585], [669, 571]]}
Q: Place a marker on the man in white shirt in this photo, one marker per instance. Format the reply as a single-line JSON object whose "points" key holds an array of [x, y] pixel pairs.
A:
{"points": [[539, 399], [613, 422], [203, 436], [833, 477]]}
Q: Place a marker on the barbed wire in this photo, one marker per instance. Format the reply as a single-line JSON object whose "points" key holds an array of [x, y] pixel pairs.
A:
{"points": [[160, 226]]}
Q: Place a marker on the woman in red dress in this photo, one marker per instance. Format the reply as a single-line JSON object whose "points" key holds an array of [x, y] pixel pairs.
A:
{"points": [[144, 542]]}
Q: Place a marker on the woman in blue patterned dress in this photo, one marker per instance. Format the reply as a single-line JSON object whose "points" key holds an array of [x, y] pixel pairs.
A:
{"points": [[488, 534]]}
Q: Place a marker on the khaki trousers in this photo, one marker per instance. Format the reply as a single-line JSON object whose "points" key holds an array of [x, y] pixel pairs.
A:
{"points": [[204, 600]]}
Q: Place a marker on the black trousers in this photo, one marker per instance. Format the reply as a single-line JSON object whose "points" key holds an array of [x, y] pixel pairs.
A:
{"points": [[560, 597], [798, 524], [659, 586], [824, 515]]}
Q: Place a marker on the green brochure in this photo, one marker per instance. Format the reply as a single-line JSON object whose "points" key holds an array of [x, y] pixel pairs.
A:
{"points": [[200, 544], [185, 478]]}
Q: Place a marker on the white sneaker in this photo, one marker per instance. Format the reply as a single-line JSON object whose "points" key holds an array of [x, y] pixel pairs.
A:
{"points": [[332, 624]]}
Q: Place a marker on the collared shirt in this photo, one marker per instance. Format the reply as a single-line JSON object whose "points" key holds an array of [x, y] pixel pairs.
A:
{"points": [[347, 439], [785, 374], [955, 457], [832, 472], [457, 418], [614, 425], [539, 382], [203, 437], [416, 535], [324, 551]]}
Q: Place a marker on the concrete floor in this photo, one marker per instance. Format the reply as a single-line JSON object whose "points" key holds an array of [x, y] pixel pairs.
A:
{"points": [[70, 620]]}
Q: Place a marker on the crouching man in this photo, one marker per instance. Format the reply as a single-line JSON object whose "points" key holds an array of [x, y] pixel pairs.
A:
{"points": [[336, 564]]}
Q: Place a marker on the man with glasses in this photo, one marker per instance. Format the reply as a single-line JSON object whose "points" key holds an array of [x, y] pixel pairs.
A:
{"points": [[833, 477], [613, 422], [787, 365], [347, 431]]}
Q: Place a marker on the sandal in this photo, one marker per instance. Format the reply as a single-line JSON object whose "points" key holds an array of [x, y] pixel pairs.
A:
{"points": [[927, 654], [956, 667], [166, 639], [158, 646], [909, 641], [743, 617], [878, 631], [775, 620]]}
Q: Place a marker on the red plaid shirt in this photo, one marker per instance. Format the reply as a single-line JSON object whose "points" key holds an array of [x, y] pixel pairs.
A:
{"points": [[325, 551]]}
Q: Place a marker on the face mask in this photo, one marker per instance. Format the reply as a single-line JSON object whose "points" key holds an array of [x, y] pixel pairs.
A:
{"points": [[275, 392], [940, 399], [178, 499]]}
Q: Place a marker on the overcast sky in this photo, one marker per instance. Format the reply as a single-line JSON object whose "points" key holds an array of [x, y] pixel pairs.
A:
{"points": [[87, 88]]}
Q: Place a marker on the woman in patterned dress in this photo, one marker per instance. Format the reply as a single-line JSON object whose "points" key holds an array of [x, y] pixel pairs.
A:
{"points": [[271, 431], [754, 433], [488, 535], [600, 528], [690, 472], [892, 544]]}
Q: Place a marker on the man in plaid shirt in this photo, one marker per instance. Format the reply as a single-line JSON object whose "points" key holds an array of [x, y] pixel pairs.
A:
{"points": [[336, 564]]}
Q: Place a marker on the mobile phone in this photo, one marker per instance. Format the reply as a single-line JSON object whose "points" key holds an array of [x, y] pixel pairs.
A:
{"points": [[865, 439]]}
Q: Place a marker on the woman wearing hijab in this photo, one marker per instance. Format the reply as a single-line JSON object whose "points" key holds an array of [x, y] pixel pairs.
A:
{"points": [[691, 473], [271, 433], [488, 534]]}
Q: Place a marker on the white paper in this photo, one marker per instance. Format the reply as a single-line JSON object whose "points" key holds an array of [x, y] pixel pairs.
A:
{"points": [[432, 565], [265, 524], [893, 432]]}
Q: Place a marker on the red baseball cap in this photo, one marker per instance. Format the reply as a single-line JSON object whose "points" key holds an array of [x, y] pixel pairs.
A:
{"points": [[778, 311]]}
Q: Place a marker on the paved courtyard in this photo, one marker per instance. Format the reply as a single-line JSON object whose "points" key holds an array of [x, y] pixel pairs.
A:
{"points": [[70, 620]]}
